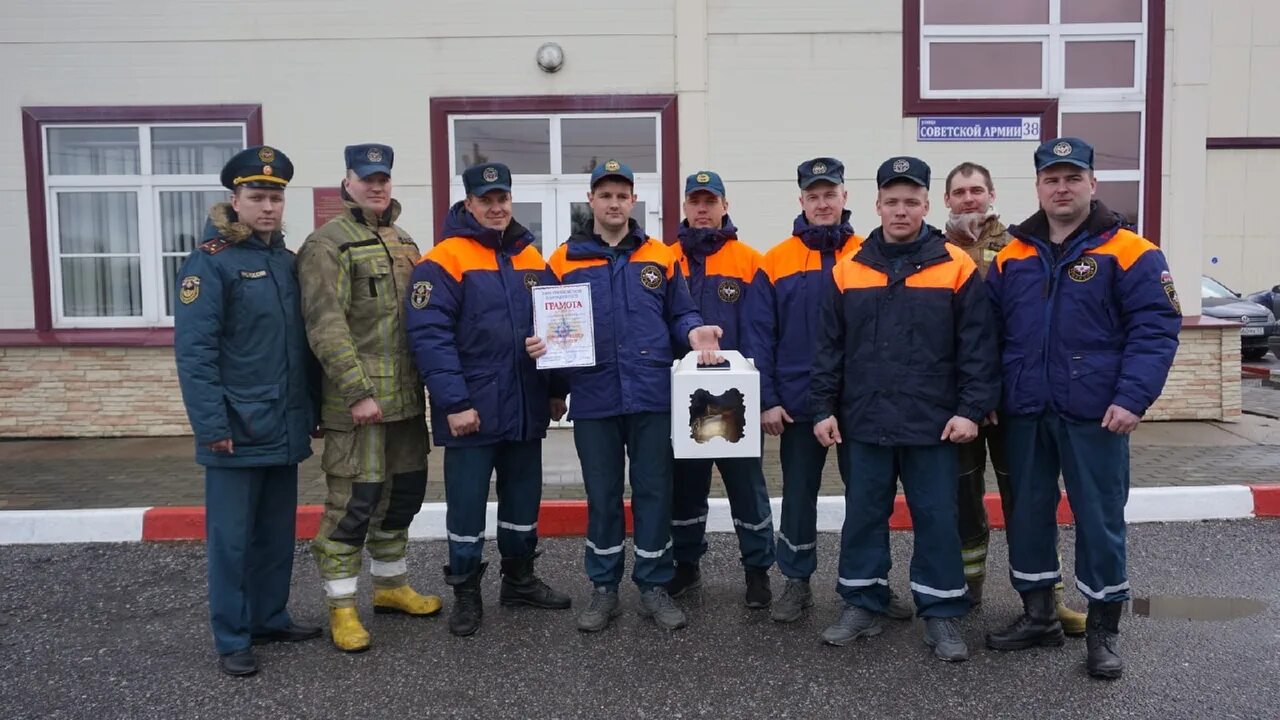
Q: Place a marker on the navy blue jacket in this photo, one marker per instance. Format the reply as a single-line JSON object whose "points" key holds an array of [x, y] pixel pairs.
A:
{"points": [[244, 365], [1094, 326], [719, 269], [468, 312], [642, 316], [906, 341], [783, 303]]}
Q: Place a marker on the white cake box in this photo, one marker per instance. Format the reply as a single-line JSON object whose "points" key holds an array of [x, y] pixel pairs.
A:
{"points": [[715, 411]]}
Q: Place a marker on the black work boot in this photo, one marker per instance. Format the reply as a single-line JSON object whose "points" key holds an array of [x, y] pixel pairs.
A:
{"points": [[688, 577], [1038, 625], [520, 586], [468, 606], [759, 596], [1102, 636]]}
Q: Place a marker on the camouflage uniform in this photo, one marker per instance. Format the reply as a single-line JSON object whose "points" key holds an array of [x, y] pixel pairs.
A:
{"points": [[354, 272]]}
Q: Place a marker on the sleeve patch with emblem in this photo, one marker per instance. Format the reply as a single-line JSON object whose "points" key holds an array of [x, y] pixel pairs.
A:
{"points": [[1166, 281], [421, 294], [189, 289]]}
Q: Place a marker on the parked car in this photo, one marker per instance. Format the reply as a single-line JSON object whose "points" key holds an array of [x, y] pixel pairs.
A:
{"points": [[1270, 299], [1257, 322]]}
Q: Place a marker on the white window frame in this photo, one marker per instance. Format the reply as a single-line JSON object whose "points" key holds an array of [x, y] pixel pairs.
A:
{"points": [[557, 187], [1054, 35], [147, 186]]}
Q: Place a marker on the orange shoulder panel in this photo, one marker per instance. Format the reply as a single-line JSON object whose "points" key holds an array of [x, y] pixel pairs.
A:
{"points": [[1017, 249], [787, 258], [851, 275], [951, 275], [655, 251], [736, 260], [529, 258], [458, 255], [1126, 246], [561, 265]]}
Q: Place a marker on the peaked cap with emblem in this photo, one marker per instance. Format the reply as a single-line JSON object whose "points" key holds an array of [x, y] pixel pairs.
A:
{"points": [[480, 179], [369, 158], [823, 169], [261, 166], [1070, 150]]}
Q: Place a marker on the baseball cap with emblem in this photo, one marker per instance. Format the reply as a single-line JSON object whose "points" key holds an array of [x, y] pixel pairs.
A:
{"points": [[823, 169], [903, 168], [261, 166], [480, 179], [370, 158], [1070, 150], [704, 180], [612, 169]]}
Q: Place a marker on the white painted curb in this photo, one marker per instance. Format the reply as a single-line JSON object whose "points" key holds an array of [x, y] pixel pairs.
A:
{"points": [[1158, 504], [24, 527]]}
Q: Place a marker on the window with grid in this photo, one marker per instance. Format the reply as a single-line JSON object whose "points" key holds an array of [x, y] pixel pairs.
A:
{"points": [[126, 203], [1089, 54]]}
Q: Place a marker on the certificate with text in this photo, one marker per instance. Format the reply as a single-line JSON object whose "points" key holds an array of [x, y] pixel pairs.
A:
{"points": [[562, 318]]}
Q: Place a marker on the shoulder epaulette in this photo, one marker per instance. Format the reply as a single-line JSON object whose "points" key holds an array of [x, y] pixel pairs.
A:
{"points": [[215, 246]]}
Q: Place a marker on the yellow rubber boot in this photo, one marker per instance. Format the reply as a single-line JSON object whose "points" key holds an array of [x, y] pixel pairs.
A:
{"points": [[347, 632], [1073, 623], [405, 599]]}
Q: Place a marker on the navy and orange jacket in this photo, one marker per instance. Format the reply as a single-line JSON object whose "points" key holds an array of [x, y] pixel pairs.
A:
{"points": [[905, 343], [783, 303], [1094, 327], [468, 312], [719, 269], [642, 317]]}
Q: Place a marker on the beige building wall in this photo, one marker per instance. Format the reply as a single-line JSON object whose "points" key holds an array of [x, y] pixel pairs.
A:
{"points": [[762, 86], [787, 83], [1240, 238], [327, 74]]}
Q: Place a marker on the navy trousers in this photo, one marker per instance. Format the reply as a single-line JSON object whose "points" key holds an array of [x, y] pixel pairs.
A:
{"points": [[928, 474], [603, 446], [1094, 464], [466, 487], [748, 504], [250, 516], [803, 458]]}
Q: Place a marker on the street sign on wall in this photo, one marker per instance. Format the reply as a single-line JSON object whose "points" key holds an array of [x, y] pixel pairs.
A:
{"points": [[977, 129]]}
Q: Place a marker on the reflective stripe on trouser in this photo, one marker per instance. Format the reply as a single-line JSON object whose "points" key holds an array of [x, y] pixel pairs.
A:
{"points": [[928, 474], [377, 479], [748, 504], [1094, 464], [645, 439], [466, 488], [249, 531], [803, 458]]}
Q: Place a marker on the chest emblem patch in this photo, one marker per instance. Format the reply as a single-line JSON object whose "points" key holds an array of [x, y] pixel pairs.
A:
{"points": [[530, 280], [651, 277], [729, 291], [1083, 269], [421, 294]]}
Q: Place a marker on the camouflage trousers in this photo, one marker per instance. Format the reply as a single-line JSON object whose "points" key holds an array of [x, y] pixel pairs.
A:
{"points": [[377, 478]]}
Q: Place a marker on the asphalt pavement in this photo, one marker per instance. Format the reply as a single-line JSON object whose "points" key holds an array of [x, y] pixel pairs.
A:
{"points": [[119, 631]]}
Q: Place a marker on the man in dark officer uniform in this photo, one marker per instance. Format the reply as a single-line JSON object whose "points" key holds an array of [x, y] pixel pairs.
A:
{"points": [[470, 309], [246, 377]]}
